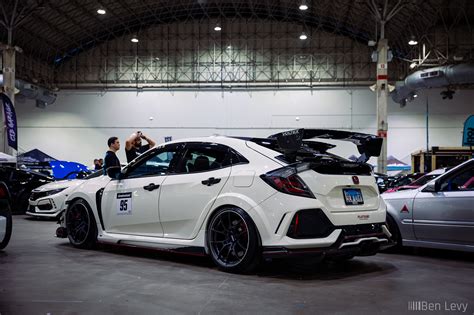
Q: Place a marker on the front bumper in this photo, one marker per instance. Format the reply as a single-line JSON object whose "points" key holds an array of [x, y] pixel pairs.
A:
{"points": [[45, 207], [351, 241]]}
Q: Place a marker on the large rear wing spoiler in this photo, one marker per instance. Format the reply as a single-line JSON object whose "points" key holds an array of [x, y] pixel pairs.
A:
{"points": [[291, 141]]}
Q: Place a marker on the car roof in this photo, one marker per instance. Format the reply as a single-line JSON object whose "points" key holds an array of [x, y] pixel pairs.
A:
{"points": [[438, 171]]}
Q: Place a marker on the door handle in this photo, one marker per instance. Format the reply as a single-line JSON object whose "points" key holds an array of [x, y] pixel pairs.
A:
{"points": [[151, 187], [211, 181]]}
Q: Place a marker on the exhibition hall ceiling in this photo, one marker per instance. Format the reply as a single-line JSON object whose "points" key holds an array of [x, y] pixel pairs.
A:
{"points": [[51, 28]]}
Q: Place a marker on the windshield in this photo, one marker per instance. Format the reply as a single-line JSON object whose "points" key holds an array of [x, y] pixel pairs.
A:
{"points": [[94, 175], [424, 179]]}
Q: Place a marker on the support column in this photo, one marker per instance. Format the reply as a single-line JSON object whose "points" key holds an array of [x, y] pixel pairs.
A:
{"points": [[382, 100], [9, 90]]}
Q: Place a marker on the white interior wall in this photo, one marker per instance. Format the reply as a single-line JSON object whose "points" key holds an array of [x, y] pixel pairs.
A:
{"points": [[77, 126]]}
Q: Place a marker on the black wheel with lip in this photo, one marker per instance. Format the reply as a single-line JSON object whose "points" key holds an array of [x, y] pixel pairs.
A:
{"points": [[80, 225], [5, 224], [233, 240]]}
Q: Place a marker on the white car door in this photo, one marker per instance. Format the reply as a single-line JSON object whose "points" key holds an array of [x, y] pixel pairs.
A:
{"points": [[188, 195], [448, 214], [130, 204]]}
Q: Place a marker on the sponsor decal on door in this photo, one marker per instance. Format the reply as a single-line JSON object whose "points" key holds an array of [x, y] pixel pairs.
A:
{"points": [[124, 203]]}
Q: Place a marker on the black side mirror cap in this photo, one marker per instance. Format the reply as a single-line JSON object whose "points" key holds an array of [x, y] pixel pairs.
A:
{"points": [[115, 172]]}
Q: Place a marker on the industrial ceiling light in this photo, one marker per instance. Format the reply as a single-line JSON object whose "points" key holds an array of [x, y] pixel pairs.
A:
{"points": [[413, 65], [101, 11], [413, 41], [303, 6], [217, 28], [303, 36], [134, 39]]}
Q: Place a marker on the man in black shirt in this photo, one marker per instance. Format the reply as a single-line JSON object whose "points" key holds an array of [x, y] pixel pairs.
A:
{"points": [[111, 159], [134, 147]]}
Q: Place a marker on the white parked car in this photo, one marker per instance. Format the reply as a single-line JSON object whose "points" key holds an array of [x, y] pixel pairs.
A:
{"points": [[237, 199], [49, 200], [439, 214]]}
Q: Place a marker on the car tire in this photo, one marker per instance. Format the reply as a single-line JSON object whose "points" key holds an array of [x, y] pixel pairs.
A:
{"points": [[5, 212], [395, 231], [233, 241], [81, 226]]}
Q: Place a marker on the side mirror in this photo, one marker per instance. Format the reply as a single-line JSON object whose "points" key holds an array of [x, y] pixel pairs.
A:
{"points": [[432, 187], [115, 172]]}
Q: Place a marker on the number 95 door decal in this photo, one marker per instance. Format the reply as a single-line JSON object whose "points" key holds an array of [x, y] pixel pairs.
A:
{"points": [[124, 203]]}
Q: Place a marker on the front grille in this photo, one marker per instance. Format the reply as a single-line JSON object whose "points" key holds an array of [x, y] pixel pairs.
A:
{"points": [[36, 195]]}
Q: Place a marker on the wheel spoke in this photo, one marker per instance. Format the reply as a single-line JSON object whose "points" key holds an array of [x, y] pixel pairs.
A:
{"points": [[241, 246], [221, 222], [219, 242], [228, 254], [222, 248], [230, 220], [218, 232]]}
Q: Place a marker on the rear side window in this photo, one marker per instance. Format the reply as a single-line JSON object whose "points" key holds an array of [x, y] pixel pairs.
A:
{"points": [[205, 157]]}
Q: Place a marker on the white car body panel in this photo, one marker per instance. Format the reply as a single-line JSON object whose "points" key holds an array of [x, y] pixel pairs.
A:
{"points": [[144, 216], [176, 214], [185, 201]]}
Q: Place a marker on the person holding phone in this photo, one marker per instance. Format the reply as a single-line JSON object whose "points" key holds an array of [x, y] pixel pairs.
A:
{"points": [[134, 147]]}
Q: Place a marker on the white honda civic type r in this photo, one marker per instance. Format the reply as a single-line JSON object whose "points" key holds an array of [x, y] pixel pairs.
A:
{"points": [[238, 200]]}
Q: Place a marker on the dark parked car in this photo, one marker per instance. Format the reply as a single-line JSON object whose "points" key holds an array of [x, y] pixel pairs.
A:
{"points": [[20, 183], [403, 180], [5, 216]]}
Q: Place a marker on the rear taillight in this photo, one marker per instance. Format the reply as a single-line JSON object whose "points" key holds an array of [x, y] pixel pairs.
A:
{"points": [[286, 180]]}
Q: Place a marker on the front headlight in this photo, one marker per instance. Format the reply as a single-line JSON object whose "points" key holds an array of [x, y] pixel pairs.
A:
{"points": [[53, 192]]}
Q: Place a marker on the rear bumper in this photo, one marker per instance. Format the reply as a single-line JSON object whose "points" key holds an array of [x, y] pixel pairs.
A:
{"points": [[346, 244]]}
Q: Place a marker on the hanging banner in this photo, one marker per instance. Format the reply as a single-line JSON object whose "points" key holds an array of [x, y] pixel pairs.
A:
{"points": [[468, 134], [10, 121]]}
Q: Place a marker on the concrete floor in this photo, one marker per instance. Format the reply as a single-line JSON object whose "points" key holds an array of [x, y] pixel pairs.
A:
{"points": [[41, 274]]}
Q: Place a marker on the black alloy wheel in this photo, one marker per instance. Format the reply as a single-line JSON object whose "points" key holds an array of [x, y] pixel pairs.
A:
{"points": [[80, 225], [6, 217], [233, 241]]}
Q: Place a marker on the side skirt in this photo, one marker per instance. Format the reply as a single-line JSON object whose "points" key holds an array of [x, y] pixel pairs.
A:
{"points": [[189, 250], [449, 246]]}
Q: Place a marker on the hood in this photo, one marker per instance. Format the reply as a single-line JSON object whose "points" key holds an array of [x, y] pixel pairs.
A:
{"points": [[58, 185]]}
